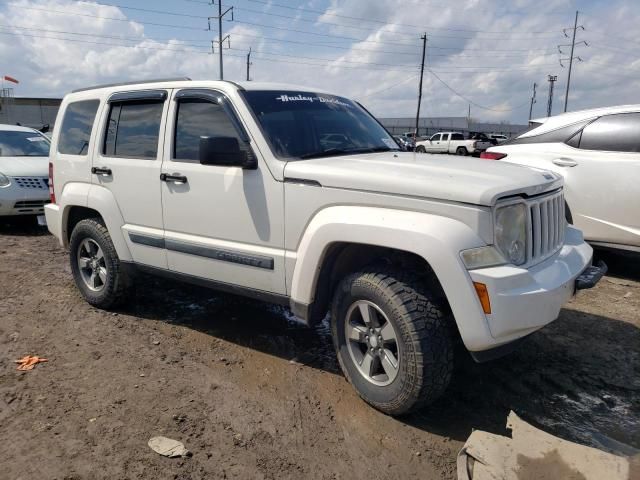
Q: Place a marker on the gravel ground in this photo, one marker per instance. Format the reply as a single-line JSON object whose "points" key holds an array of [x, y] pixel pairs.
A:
{"points": [[254, 394]]}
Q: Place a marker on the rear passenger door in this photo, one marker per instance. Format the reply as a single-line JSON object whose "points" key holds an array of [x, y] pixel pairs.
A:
{"points": [[444, 143], [127, 164]]}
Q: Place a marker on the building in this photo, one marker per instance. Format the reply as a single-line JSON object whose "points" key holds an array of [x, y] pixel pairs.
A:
{"points": [[29, 111], [429, 126]]}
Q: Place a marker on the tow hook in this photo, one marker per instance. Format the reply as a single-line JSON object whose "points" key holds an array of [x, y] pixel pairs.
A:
{"points": [[591, 276]]}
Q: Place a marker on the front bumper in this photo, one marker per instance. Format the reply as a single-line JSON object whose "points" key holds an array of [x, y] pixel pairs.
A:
{"points": [[16, 200], [525, 300]]}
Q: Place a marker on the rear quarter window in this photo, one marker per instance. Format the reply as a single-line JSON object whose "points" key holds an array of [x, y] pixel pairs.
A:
{"points": [[77, 124], [612, 133]]}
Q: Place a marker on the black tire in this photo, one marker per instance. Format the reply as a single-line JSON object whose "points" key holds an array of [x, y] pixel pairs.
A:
{"points": [[425, 341], [462, 151], [420, 149], [114, 289]]}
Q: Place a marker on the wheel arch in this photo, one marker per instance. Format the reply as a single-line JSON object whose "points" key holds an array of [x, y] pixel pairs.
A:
{"points": [[341, 239], [94, 201]]}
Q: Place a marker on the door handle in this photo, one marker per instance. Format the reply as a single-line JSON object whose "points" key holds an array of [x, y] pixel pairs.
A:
{"points": [[565, 162], [104, 171], [177, 178]]}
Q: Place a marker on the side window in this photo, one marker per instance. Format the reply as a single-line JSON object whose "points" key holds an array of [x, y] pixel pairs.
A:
{"points": [[613, 133], [200, 118], [559, 135], [457, 136], [435, 138], [133, 129], [77, 123], [445, 137]]}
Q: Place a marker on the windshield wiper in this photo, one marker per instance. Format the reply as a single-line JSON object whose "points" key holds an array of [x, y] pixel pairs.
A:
{"points": [[340, 151]]}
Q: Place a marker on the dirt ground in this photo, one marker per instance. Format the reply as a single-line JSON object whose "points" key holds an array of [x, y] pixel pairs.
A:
{"points": [[254, 394]]}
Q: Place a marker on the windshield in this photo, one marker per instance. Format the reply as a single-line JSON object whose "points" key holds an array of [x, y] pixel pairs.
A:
{"points": [[23, 144], [303, 125]]}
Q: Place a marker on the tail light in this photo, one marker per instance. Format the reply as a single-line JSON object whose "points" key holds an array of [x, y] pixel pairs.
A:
{"points": [[475, 144], [492, 155], [52, 193]]}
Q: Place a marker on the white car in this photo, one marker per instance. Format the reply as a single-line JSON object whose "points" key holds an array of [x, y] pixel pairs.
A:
{"points": [[451, 142], [598, 154], [242, 187], [24, 171]]}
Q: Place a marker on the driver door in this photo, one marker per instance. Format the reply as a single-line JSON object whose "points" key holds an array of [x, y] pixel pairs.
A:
{"points": [[433, 144], [222, 223]]}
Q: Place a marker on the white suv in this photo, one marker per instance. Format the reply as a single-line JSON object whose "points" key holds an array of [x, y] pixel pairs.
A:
{"points": [[598, 154], [302, 198]]}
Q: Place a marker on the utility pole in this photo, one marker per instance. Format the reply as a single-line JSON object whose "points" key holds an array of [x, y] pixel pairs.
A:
{"points": [[248, 63], [571, 57], [552, 79], [424, 50], [220, 39], [533, 99]]}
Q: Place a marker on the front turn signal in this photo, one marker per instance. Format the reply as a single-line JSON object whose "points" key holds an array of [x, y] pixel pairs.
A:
{"points": [[483, 296]]}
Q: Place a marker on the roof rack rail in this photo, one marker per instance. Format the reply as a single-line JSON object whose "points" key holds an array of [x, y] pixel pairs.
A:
{"points": [[154, 80]]}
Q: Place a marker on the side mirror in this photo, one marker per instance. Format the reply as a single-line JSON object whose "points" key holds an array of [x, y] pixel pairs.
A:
{"points": [[225, 151]]}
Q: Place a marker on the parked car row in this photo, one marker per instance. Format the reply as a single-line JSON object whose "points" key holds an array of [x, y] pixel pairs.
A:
{"points": [[302, 198]]}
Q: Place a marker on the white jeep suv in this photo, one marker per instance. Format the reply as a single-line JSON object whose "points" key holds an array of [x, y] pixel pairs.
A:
{"points": [[598, 154], [302, 198]]}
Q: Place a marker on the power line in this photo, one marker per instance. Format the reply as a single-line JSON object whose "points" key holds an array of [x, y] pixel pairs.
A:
{"points": [[370, 20], [48, 10], [471, 101], [390, 87]]}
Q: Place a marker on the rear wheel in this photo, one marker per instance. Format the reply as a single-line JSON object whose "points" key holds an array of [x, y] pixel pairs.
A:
{"points": [[95, 265], [462, 151], [420, 149], [393, 340]]}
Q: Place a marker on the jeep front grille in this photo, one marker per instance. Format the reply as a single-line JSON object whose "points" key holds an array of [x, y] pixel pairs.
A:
{"points": [[41, 183], [547, 220]]}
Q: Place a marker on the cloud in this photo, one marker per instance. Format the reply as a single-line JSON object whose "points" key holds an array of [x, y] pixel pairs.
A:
{"points": [[487, 52]]}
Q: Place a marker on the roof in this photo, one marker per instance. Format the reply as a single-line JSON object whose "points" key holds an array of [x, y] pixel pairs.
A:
{"points": [[15, 128], [557, 121], [187, 82]]}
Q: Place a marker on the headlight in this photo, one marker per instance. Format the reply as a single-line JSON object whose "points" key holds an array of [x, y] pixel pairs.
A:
{"points": [[511, 232], [4, 180], [482, 257]]}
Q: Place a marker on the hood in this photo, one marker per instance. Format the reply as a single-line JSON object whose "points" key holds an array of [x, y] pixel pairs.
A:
{"points": [[24, 166], [443, 177]]}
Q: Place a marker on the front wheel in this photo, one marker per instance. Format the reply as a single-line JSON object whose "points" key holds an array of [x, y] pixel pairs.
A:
{"points": [[95, 265], [420, 149], [393, 340]]}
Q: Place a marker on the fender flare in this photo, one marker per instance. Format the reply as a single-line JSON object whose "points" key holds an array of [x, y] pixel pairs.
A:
{"points": [[437, 239], [101, 200]]}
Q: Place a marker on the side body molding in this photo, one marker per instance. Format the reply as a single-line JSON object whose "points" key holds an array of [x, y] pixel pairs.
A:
{"points": [[436, 239]]}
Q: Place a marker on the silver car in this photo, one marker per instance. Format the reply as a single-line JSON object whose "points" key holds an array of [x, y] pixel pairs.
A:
{"points": [[24, 171]]}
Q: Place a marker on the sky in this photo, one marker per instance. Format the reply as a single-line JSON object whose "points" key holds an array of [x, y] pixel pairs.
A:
{"points": [[485, 54]]}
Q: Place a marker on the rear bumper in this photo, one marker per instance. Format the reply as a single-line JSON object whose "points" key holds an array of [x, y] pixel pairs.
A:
{"points": [[53, 214], [525, 300]]}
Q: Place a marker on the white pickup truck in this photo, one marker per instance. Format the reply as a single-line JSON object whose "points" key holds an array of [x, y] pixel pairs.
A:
{"points": [[302, 198], [451, 142]]}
